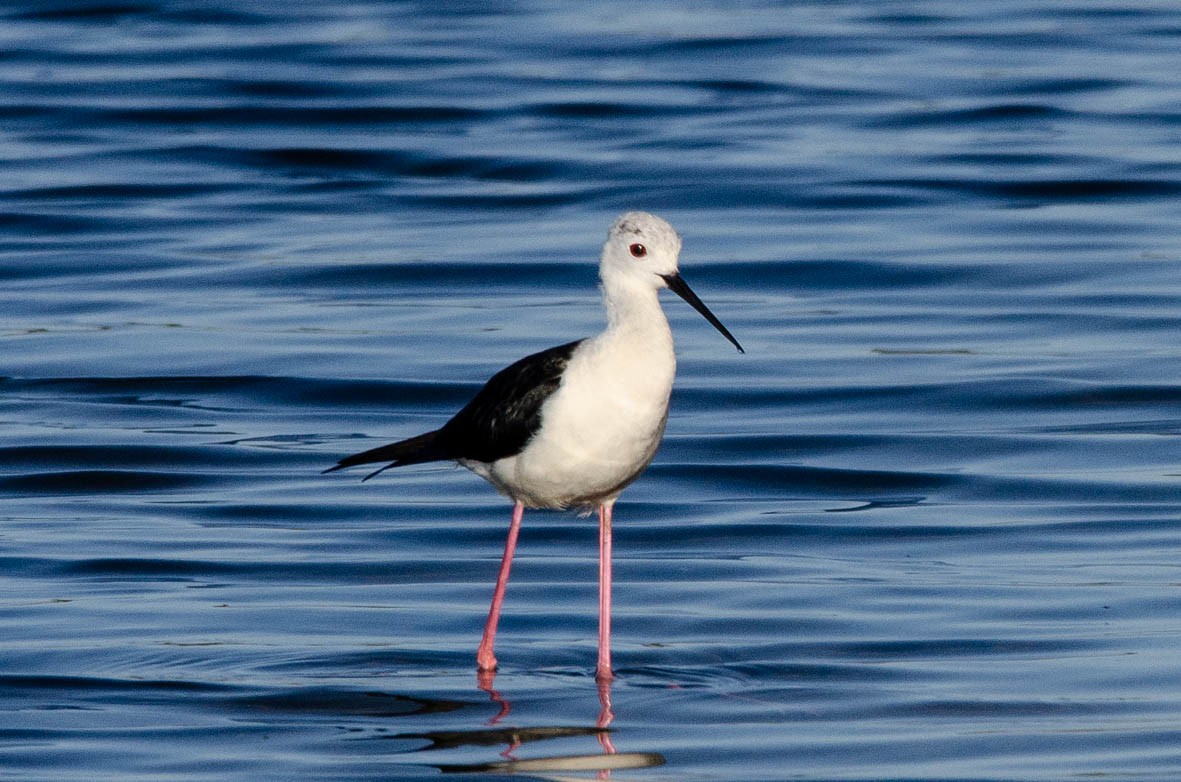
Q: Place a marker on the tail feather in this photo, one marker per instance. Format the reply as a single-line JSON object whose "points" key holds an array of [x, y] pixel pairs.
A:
{"points": [[416, 450]]}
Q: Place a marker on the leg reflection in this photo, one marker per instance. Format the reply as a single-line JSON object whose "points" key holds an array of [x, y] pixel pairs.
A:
{"points": [[606, 715], [517, 738], [485, 680]]}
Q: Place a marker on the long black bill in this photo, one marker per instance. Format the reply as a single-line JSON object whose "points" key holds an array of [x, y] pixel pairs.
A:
{"points": [[678, 286]]}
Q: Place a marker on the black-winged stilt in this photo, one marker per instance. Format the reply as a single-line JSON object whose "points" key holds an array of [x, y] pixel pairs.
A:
{"points": [[571, 426]]}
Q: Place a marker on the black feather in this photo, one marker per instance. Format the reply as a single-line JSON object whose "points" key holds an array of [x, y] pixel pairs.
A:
{"points": [[415, 450], [499, 421], [506, 412]]}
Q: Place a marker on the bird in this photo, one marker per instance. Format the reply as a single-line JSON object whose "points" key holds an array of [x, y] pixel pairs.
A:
{"points": [[572, 426]]}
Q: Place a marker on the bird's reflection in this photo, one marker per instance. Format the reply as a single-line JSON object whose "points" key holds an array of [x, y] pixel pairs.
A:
{"points": [[603, 762]]}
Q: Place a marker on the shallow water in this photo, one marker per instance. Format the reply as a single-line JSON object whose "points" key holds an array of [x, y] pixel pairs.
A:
{"points": [[926, 528]]}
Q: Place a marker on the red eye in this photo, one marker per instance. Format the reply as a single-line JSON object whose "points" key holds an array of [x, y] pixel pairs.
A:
{"points": [[638, 250]]}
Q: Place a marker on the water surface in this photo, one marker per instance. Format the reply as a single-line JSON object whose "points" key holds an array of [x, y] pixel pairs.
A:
{"points": [[926, 528]]}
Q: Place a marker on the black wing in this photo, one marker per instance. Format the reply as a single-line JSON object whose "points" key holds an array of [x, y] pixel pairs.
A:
{"points": [[497, 423], [506, 412]]}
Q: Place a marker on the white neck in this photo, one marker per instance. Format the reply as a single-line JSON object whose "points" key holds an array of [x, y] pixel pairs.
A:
{"points": [[634, 314]]}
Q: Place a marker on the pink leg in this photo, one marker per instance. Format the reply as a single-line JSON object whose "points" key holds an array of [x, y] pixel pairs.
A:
{"points": [[603, 670], [485, 659]]}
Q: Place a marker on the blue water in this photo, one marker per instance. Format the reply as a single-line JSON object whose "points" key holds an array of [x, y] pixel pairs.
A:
{"points": [[927, 528]]}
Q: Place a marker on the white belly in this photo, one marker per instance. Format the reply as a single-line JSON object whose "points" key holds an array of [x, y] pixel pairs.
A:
{"points": [[599, 431]]}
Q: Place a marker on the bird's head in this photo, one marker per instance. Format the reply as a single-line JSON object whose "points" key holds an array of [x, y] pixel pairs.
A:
{"points": [[642, 250]]}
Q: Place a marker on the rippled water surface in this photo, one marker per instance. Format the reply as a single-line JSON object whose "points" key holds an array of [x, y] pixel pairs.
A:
{"points": [[926, 528]]}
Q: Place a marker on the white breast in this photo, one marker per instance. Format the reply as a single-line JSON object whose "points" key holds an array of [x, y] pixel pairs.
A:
{"points": [[601, 427]]}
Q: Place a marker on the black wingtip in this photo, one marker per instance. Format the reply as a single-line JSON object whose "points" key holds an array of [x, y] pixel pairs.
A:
{"points": [[415, 450], [373, 474], [379, 471]]}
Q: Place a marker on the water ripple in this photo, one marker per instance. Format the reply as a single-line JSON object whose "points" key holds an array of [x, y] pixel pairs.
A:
{"points": [[924, 529]]}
